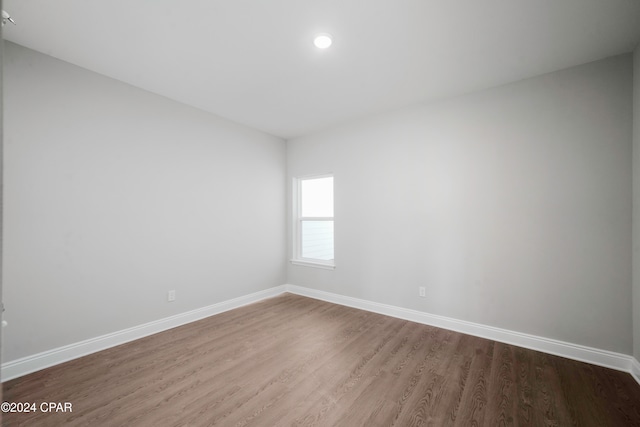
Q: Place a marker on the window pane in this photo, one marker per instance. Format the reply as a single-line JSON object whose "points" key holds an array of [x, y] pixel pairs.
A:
{"points": [[317, 197], [317, 240]]}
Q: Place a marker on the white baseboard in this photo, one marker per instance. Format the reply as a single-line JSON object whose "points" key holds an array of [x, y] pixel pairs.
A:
{"points": [[29, 364], [635, 370], [609, 359], [26, 365]]}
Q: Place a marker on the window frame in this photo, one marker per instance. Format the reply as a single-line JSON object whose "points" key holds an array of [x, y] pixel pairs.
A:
{"points": [[297, 258]]}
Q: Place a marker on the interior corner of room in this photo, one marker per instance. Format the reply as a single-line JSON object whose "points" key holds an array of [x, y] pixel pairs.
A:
{"points": [[512, 206], [510, 212]]}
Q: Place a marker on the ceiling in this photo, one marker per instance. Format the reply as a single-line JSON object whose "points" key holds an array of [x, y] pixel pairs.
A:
{"points": [[253, 61]]}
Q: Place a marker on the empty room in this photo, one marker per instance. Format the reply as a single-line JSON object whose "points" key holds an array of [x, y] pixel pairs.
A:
{"points": [[332, 213]]}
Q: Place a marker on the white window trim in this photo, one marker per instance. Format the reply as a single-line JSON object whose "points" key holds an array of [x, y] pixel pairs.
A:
{"points": [[297, 258]]}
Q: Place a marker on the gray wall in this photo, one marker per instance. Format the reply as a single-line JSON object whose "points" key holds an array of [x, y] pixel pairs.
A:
{"points": [[512, 206], [636, 203], [115, 196], [1, 182]]}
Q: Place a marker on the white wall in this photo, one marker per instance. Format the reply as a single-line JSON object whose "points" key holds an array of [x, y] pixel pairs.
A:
{"points": [[512, 206], [636, 203], [115, 196]]}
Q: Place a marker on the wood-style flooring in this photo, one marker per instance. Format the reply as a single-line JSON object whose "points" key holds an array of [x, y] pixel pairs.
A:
{"points": [[292, 360]]}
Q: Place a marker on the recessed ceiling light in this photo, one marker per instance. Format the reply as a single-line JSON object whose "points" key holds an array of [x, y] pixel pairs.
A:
{"points": [[322, 41]]}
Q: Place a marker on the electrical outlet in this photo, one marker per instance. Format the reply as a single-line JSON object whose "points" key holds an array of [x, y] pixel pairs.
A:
{"points": [[171, 296], [422, 291]]}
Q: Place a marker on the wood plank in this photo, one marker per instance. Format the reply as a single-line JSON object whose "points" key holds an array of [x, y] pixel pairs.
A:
{"points": [[292, 360]]}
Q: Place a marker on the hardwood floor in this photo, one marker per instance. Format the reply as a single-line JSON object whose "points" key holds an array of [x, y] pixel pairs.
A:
{"points": [[292, 360]]}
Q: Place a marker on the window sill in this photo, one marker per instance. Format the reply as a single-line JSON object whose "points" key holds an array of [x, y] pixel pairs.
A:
{"points": [[313, 264]]}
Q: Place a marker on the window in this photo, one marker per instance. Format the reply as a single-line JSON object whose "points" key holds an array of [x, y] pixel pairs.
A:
{"points": [[313, 227]]}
